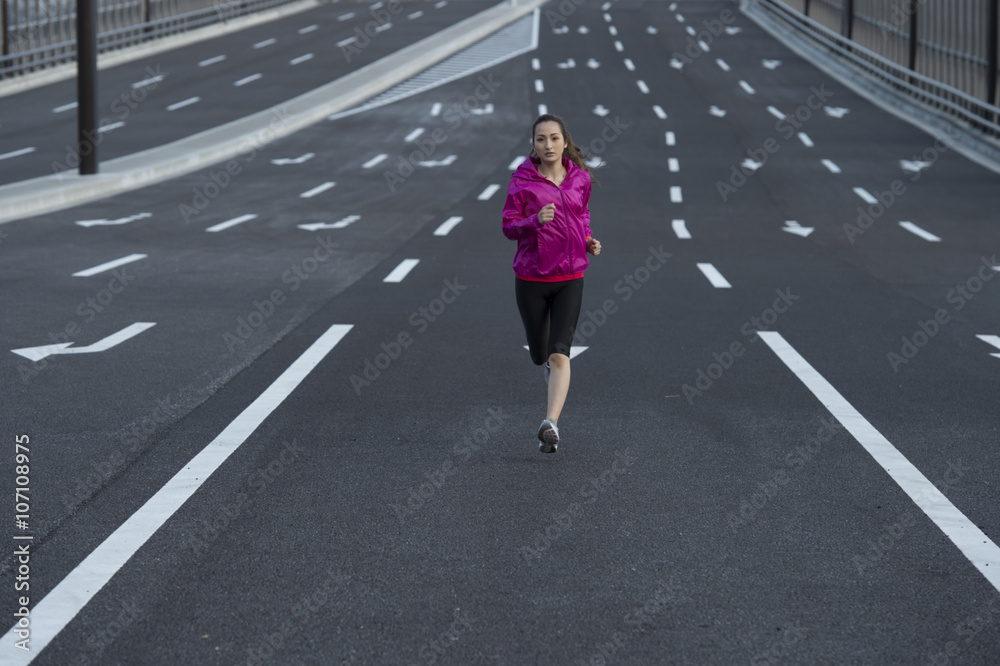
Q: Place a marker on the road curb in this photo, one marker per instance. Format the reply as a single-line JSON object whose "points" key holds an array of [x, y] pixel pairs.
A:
{"points": [[59, 191]]}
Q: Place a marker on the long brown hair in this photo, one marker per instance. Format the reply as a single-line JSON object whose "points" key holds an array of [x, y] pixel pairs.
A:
{"points": [[573, 151]]}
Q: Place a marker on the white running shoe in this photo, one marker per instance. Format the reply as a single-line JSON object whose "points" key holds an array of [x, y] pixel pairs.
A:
{"points": [[548, 436]]}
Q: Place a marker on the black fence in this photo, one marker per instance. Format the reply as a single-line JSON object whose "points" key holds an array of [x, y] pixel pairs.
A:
{"points": [[35, 34], [944, 53]]}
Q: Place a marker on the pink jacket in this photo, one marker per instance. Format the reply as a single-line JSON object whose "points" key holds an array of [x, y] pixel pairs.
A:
{"points": [[557, 249]]}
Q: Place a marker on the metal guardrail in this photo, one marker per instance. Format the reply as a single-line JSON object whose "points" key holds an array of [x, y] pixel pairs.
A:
{"points": [[942, 53], [36, 34]]}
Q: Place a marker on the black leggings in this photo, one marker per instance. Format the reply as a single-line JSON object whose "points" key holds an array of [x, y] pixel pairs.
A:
{"points": [[549, 311]]}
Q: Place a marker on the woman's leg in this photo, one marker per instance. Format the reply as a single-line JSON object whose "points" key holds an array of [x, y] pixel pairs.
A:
{"points": [[564, 313], [533, 304]]}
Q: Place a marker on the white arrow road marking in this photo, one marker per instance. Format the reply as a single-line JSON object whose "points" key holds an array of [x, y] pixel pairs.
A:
{"points": [[339, 224], [593, 64], [560, 31], [914, 166], [714, 276], [651, 30], [109, 265], [969, 539], [831, 166], [671, 139], [108, 223], [836, 111], [914, 229], [488, 192], [447, 226], [723, 65], [716, 111], [319, 189], [375, 161], [865, 195], [222, 226], [448, 161], [282, 161], [401, 271], [600, 110], [770, 64], [574, 351], [732, 30], [516, 162], [17, 153], [680, 229], [806, 141], [58, 608], [594, 162], [569, 64], [793, 227], [676, 64], [753, 165], [991, 340], [38, 353], [660, 113], [675, 194]]}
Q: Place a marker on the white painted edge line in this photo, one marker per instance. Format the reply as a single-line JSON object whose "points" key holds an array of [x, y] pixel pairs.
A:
{"points": [[673, 165], [831, 166], [806, 141], [308, 194], [447, 226], [222, 226], [375, 161], [671, 139], [675, 194], [923, 233], [187, 102], [17, 153], [865, 195], [680, 229], [412, 136], [107, 266], [974, 544], [51, 615], [488, 192], [714, 276], [399, 272]]}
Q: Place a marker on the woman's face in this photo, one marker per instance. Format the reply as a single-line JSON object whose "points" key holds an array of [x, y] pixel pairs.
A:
{"points": [[549, 142]]}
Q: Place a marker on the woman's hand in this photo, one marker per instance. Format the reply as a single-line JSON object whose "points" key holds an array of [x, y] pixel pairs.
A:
{"points": [[546, 214], [593, 246]]}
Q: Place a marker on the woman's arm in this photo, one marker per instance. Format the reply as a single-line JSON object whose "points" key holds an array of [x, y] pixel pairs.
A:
{"points": [[515, 224]]}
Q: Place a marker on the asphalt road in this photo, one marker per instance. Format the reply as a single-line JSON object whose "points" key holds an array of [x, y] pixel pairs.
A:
{"points": [[388, 503]]}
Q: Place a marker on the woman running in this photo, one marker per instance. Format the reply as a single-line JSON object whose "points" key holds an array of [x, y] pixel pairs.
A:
{"points": [[546, 213]]}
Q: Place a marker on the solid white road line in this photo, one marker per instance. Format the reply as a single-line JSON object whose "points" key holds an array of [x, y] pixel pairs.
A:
{"points": [[447, 226], [680, 229], [109, 265], [17, 153], [923, 233], [660, 113], [222, 226], [400, 272], [806, 141], [248, 79], [266, 42], [187, 102], [974, 544], [714, 276], [643, 88], [50, 615], [488, 192], [436, 109], [375, 161], [675, 194], [412, 136], [865, 195], [211, 61], [671, 139], [748, 88], [539, 86], [301, 59], [774, 111], [309, 194], [64, 107], [831, 166], [673, 164]]}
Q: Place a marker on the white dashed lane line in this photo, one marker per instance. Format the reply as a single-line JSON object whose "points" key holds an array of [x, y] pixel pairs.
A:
{"points": [[748, 88], [17, 153], [680, 229], [675, 194], [923, 233], [629, 65], [865, 195], [248, 79], [319, 189], [660, 113], [806, 141], [714, 276], [643, 88], [308, 29], [401, 271], [488, 192], [539, 86], [447, 226], [222, 226], [375, 161], [64, 107], [671, 139], [673, 165], [211, 61], [831, 166], [722, 64], [774, 111], [187, 102], [301, 59], [412, 136], [266, 42], [109, 265]]}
